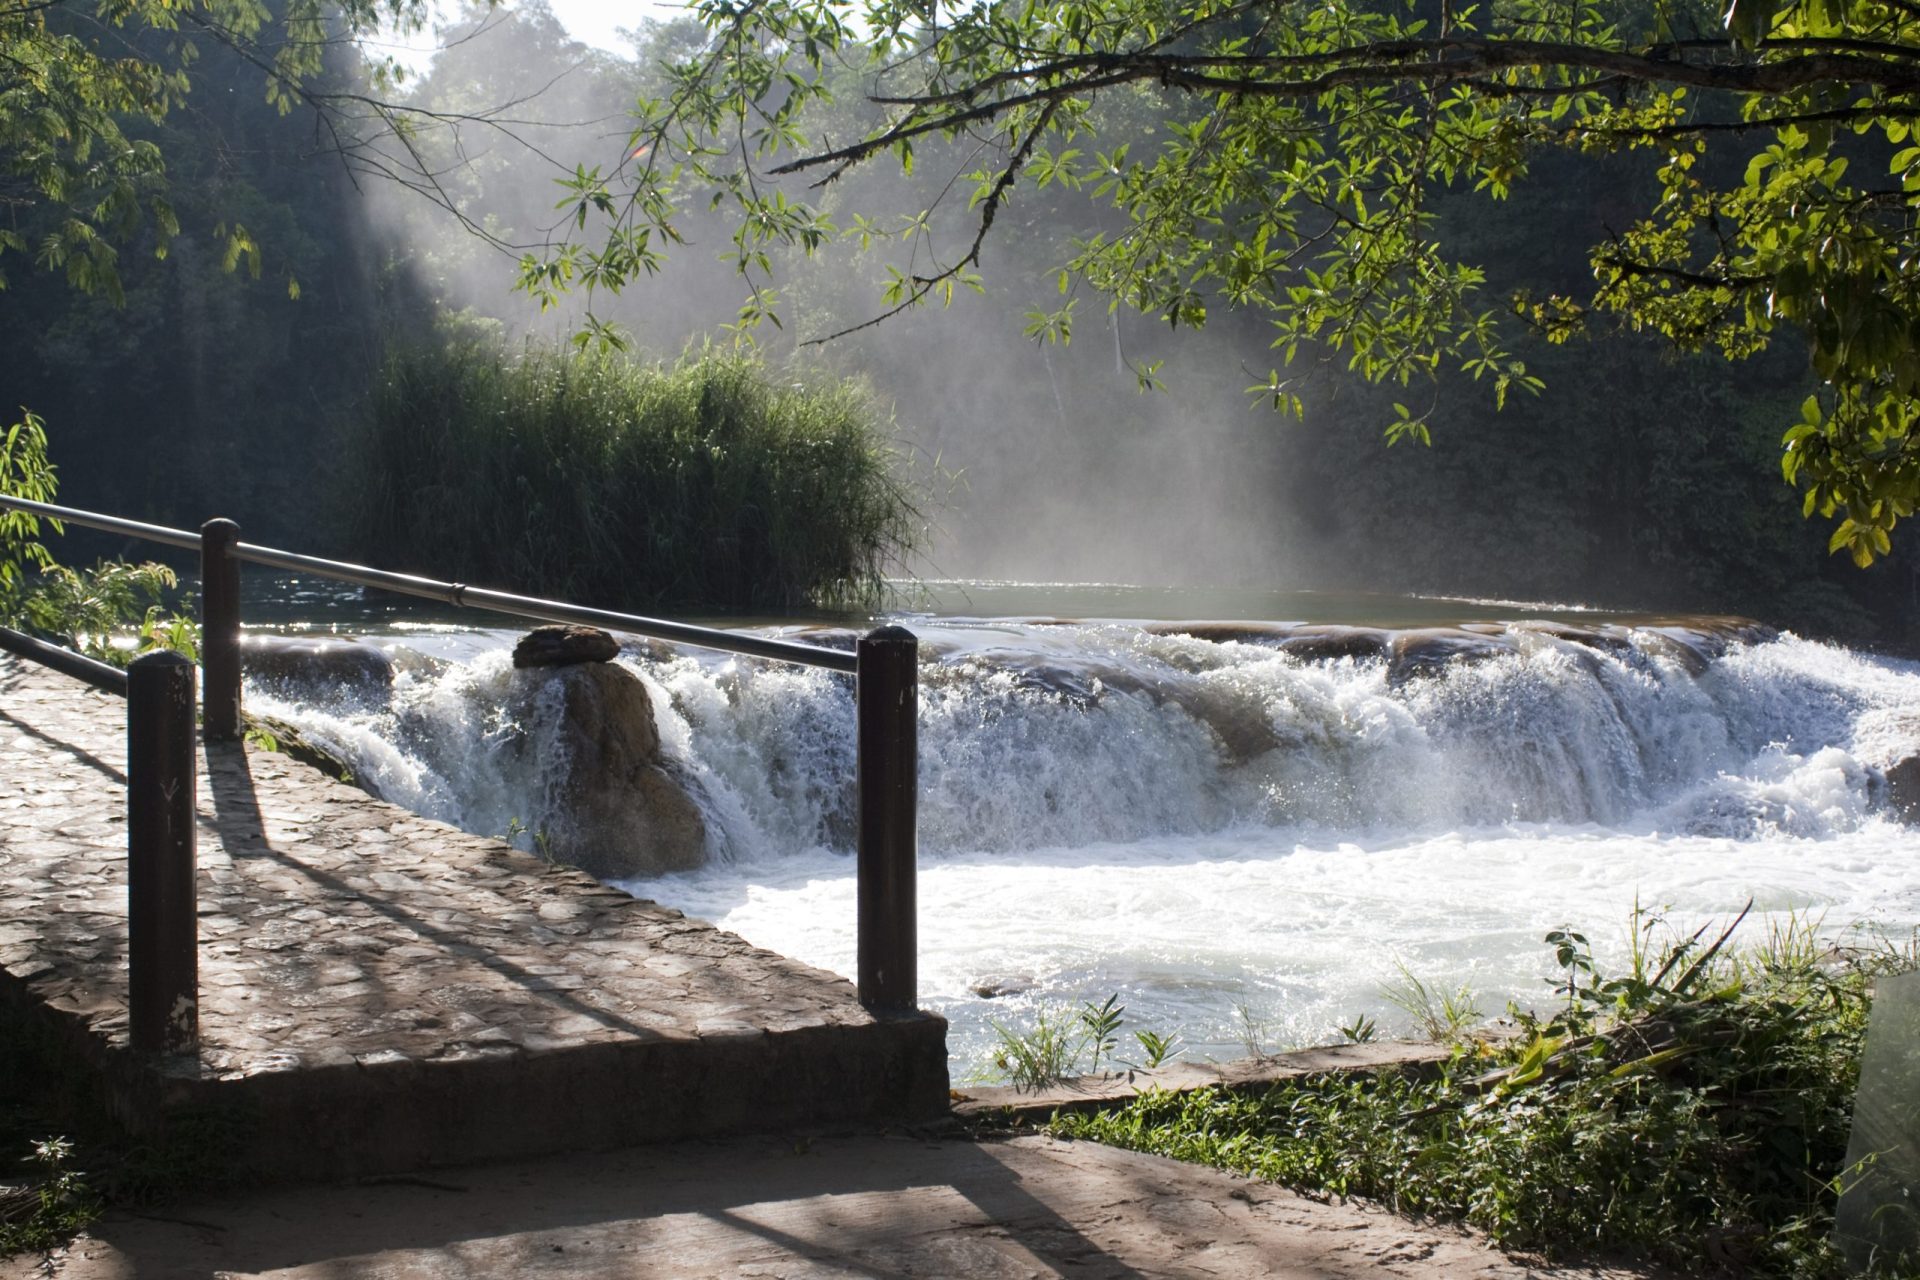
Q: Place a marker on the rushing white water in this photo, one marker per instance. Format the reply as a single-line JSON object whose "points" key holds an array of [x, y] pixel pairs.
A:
{"points": [[1236, 839]]}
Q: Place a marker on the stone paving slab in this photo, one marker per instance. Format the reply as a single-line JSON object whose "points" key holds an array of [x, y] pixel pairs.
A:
{"points": [[379, 991]]}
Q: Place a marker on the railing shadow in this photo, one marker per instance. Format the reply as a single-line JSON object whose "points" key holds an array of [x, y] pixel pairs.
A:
{"points": [[118, 776], [877, 1207], [241, 827]]}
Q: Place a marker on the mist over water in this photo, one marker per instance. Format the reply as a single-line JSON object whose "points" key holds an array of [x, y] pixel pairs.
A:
{"points": [[1204, 825], [1636, 480], [1034, 461]]}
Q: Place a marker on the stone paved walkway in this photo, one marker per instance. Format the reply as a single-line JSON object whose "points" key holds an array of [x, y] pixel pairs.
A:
{"points": [[381, 991], [834, 1208]]}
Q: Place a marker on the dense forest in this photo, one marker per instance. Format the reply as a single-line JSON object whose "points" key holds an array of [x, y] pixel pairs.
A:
{"points": [[1636, 479]]}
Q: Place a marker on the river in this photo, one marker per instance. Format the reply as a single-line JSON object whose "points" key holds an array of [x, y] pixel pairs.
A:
{"points": [[1244, 844]]}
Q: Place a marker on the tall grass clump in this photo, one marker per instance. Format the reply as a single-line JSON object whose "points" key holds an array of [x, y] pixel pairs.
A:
{"points": [[711, 482], [1693, 1109]]}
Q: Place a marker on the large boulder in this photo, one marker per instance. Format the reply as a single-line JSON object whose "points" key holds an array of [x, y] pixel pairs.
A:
{"points": [[622, 809], [1426, 652], [1903, 789], [315, 662]]}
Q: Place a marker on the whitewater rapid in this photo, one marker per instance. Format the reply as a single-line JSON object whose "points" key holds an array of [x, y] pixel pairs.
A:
{"points": [[1241, 841]]}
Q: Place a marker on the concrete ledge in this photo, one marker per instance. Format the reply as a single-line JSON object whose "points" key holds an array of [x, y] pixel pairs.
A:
{"points": [[1098, 1093], [294, 1121]]}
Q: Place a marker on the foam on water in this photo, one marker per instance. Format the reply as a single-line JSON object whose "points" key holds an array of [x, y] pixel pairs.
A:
{"points": [[1207, 827]]}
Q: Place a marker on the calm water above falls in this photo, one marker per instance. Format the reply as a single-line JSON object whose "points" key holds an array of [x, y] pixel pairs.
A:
{"points": [[1210, 824]]}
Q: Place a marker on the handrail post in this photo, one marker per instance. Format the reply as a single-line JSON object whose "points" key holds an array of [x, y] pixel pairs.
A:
{"points": [[163, 959], [887, 693], [220, 629]]}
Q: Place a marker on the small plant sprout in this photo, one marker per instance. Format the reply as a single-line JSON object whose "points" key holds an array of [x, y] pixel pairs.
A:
{"points": [[1573, 957], [543, 846], [1102, 1024], [38, 1217], [539, 840], [1253, 1031], [1360, 1031], [1158, 1048], [1042, 1056]]}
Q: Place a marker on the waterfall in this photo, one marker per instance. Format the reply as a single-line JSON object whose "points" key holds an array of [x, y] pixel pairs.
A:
{"points": [[1214, 819], [1039, 736]]}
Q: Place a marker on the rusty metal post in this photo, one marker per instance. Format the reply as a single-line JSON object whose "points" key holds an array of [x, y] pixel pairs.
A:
{"points": [[887, 691], [163, 958], [220, 629]]}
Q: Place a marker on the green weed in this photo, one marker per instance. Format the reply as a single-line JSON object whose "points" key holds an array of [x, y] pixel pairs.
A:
{"points": [[1053, 1048], [1440, 1016], [542, 842], [1362, 1030], [1101, 1024], [1253, 1031], [52, 1207], [1158, 1048], [1046, 1054]]}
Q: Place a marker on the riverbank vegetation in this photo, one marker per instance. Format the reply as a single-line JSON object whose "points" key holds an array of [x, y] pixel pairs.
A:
{"points": [[714, 481], [1064, 1043], [1693, 1109]]}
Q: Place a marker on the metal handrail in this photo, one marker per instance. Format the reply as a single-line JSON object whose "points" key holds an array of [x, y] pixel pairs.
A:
{"points": [[459, 593], [884, 666], [112, 524]]}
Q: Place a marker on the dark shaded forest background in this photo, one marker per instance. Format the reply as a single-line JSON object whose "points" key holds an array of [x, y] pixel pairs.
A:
{"points": [[1639, 479]]}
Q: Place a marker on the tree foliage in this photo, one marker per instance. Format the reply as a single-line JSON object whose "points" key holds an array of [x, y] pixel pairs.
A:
{"points": [[24, 473], [210, 393], [90, 609], [1296, 166], [82, 83]]}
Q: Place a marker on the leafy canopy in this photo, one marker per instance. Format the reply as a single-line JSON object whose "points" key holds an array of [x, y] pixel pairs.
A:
{"points": [[1293, 162], [81, 81]]}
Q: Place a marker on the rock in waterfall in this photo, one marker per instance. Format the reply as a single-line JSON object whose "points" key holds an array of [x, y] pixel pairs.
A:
{"points": [[311, 663], [621, 807]]}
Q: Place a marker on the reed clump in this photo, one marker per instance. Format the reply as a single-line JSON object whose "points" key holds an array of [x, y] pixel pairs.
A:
{"points": [[711, 482]]}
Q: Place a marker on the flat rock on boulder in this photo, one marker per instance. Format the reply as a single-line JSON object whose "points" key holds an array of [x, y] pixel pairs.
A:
{"points": [[564, 647]]}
